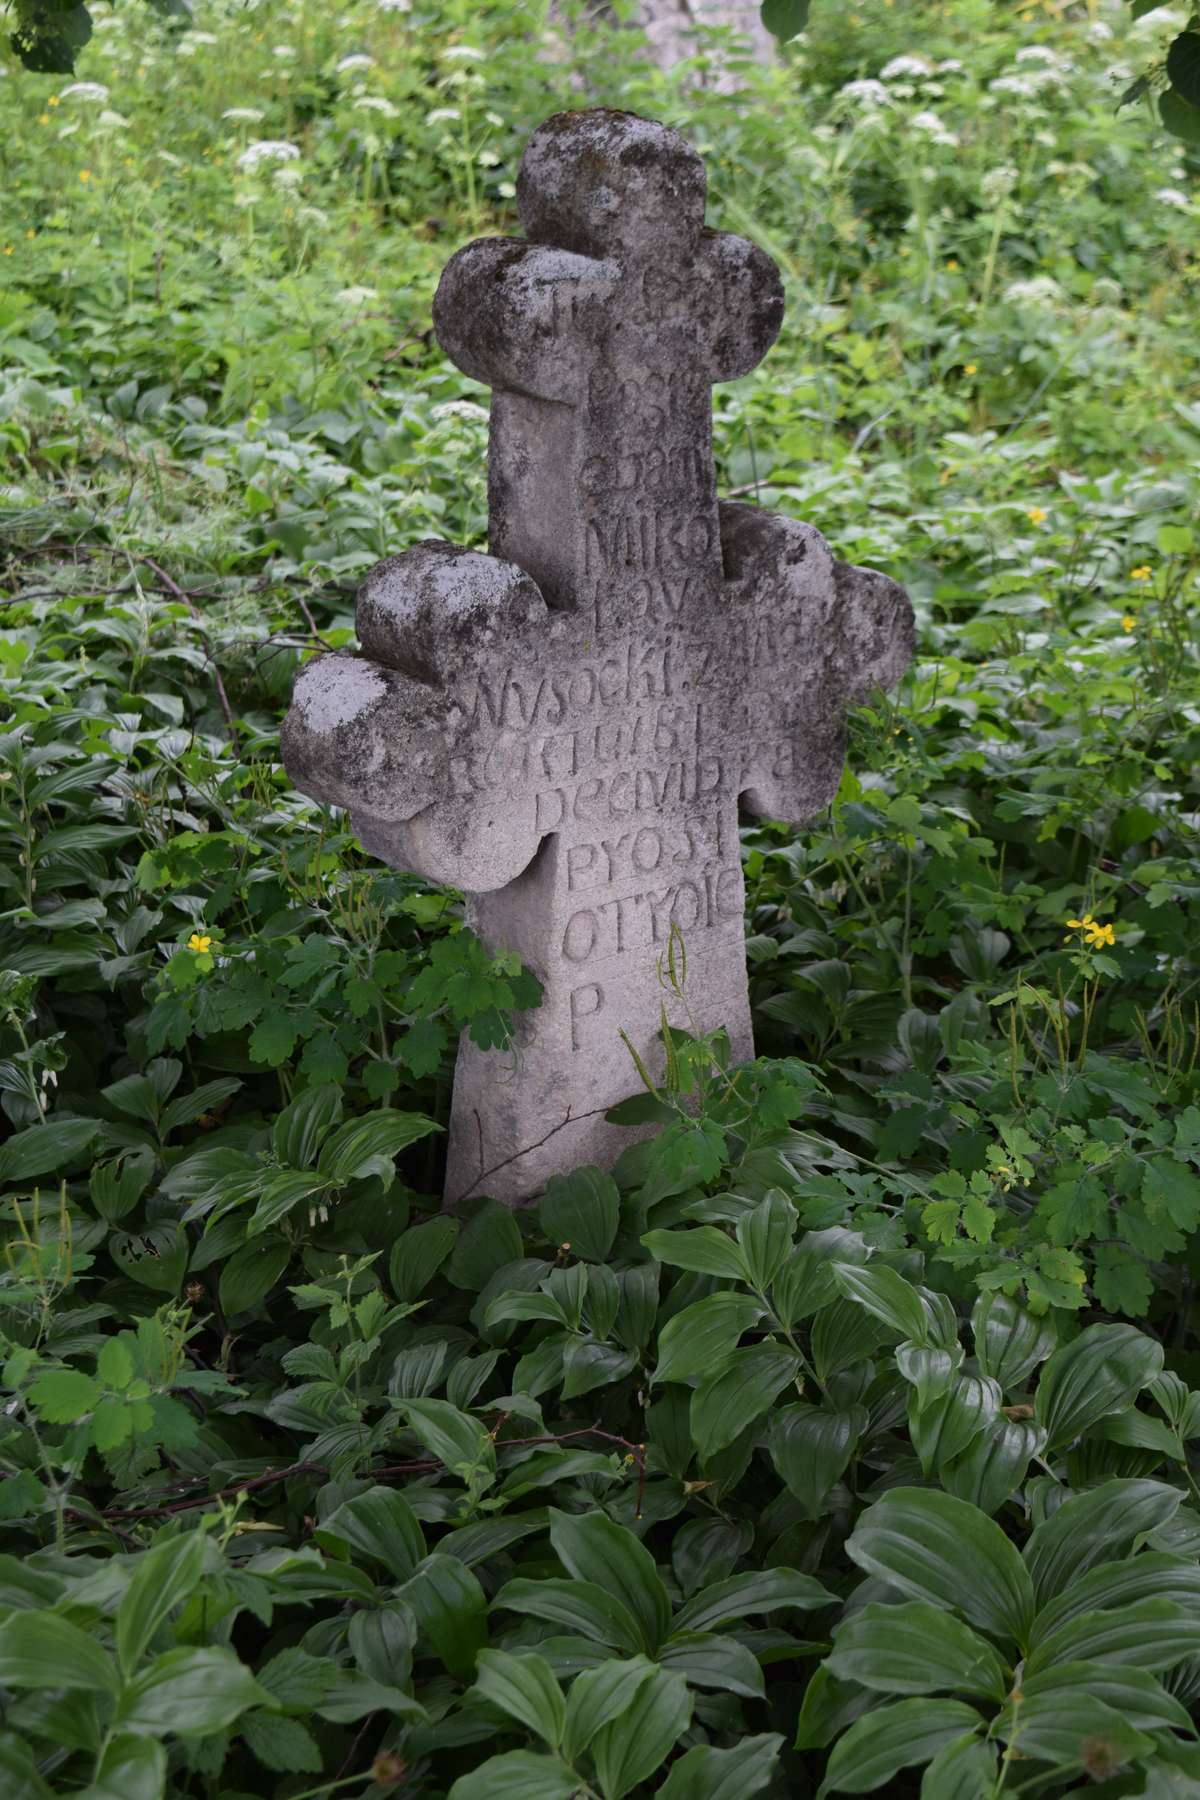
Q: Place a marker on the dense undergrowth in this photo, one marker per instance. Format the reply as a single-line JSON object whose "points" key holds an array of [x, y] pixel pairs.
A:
{"points": [[844, 1435]]}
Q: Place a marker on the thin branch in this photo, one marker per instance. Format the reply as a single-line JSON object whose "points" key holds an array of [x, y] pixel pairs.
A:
{"points": [[420, 1466], [525, 1150], [179, 594]]}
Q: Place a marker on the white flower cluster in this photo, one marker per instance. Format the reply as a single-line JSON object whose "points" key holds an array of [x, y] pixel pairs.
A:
{"points": [[1045, 58], [1037, 68], [267, 150], [935, 128], [1038, 290], [868, 92], [906, 68], [359, 60], [1169, 196], [995, 183], [93, 91], [250, 114], [354, 297], [459, 409]]}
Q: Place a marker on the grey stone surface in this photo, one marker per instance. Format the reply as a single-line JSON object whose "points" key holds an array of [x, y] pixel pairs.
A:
{"points": [[565, 728]]}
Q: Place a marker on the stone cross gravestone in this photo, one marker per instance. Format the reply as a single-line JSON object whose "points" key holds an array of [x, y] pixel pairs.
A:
{"points": [[565, 728]]}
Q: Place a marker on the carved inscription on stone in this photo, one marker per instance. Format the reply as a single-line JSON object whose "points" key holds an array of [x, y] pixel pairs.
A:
{"points": [[566, 728]]}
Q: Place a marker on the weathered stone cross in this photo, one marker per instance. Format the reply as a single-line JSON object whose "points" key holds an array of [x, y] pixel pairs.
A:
{"points": [[564, 728]]}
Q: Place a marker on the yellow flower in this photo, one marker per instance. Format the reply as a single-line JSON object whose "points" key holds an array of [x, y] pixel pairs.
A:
{"points": [[1036, 516], [1127, 621], [952, 267], [970, 368], [1142, 574], [8, 249], [53, 100], [1096, 935], [85, 174], [199, 943], [43, 118]]}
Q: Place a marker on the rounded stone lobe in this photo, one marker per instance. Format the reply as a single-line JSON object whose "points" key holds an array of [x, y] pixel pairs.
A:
{"points": [[610, 183]]}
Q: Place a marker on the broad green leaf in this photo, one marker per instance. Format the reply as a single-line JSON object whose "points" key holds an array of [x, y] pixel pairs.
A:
{"points": [[934, 1547], [946, 1427], [380, 1525], [455, 1438], [577, 1606], [993, 1464], [131, 1768], [201, 1100], [1153, 1575], [828, 1707], [588, 1365], [597, 1697], [369, 1145], [1141, 1431], [1183, 65], [725, 1404], [892, 1738], [1146, 1634], [451, 1609], [707, 1660], [628, 1749], [1009, 1342], [1071, 1728], [916, 1649], [736, 1598], [518, 1775], [281, 1194], [488, 1242], [887, 1296], [252, 1272], [164, 1578], [39, 1149], [785, 19], [1140, 1699], [43, 1650], [705, 1250], [20, 1778], [700, 1339], [593, 1548], [524, 1687], [1179, 116], [418, 1254], [189, 1693], [1093, 1527], [930, 1370], [962, 1770], [303, 1125], [582, 1209], [703, 1773], [1100, 1372], [811, 1448], [765, 1237]]}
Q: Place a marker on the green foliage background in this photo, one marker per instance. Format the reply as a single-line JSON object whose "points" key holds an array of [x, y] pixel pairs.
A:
{"points": [[842, 1438]]}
